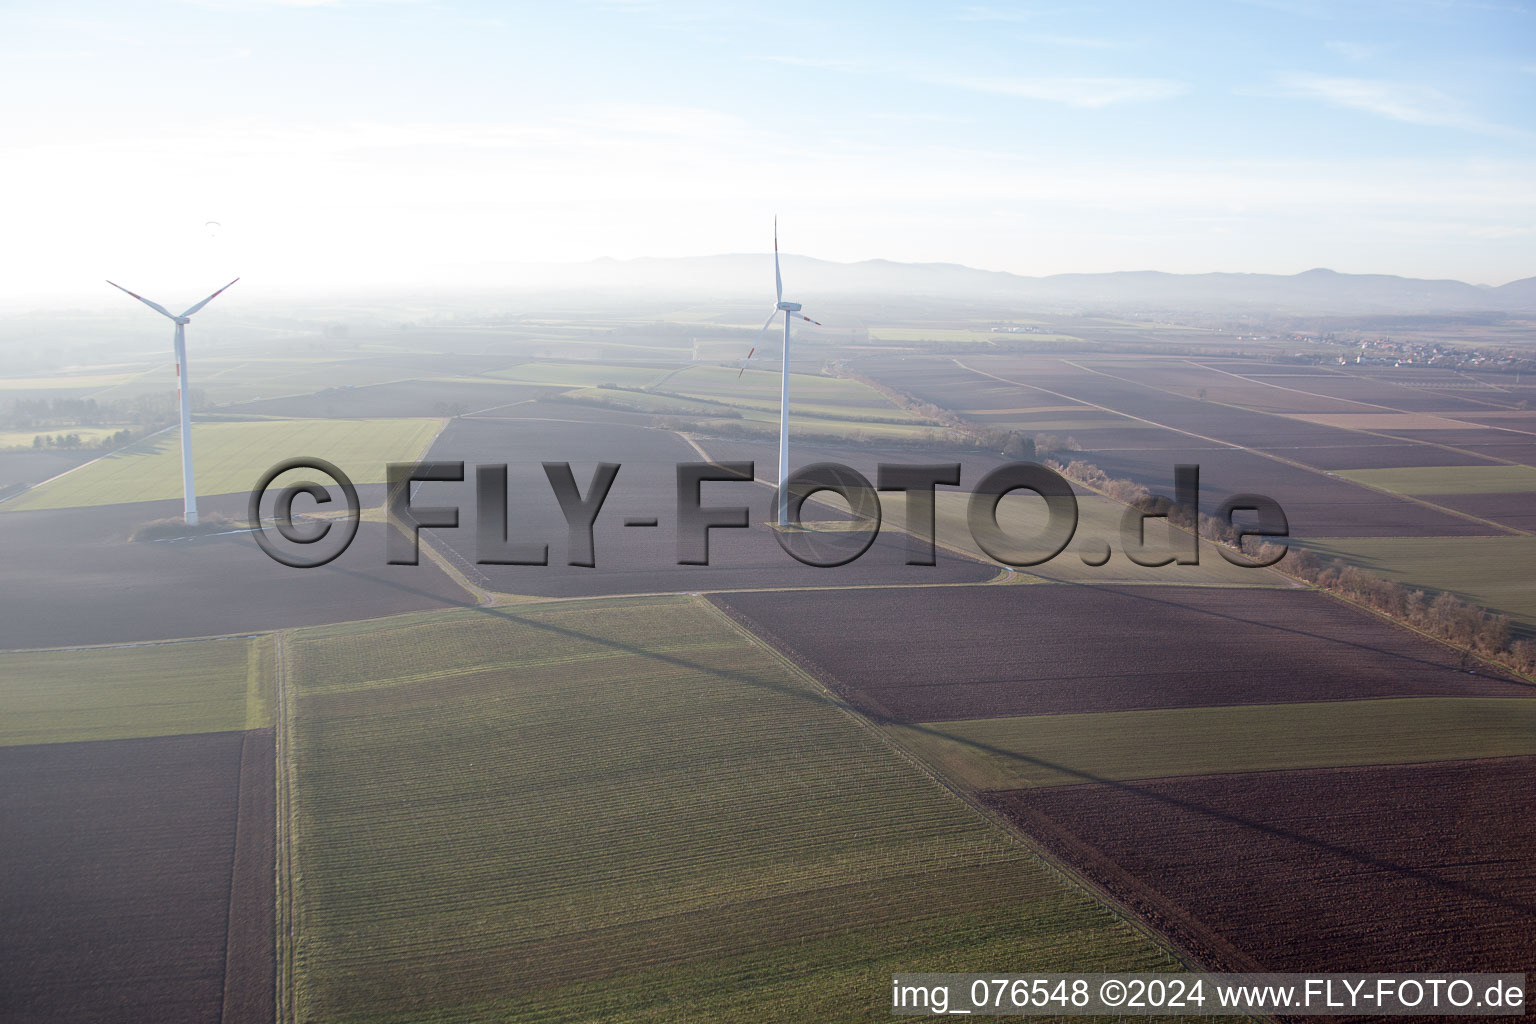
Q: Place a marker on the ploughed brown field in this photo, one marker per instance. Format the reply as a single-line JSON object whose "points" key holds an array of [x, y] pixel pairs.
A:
{"points": [[138, 880], [1315, 505], [982, 652], [86, 582], [1517, 510], [1190, 430], [1408, 868]]}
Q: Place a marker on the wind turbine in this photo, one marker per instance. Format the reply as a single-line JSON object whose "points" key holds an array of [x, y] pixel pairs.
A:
{"points": [[791, 310], [183, 393]]}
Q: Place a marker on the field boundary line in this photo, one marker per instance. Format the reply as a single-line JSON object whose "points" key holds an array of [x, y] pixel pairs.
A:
{"points": [[137, 643], [1193, 361], [91, 462], [483, 598], [1007, 829], [1313, 469], [1300, 584], [1240, 448], [1323, 472], [287, 900], [234, 866]]}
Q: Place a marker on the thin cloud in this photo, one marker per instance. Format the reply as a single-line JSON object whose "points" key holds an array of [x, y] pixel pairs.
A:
{"points": [[1353, 51], [993, 14], [1082, 92], [1076, 42], [820, 63], [1397, 101]]}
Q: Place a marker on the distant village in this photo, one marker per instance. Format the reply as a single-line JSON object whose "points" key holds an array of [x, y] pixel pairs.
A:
{"points": [[1384, 351]]}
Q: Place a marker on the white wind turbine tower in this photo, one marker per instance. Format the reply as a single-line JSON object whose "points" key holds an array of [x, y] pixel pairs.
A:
{"points": [[183, 393], [790, 310]]}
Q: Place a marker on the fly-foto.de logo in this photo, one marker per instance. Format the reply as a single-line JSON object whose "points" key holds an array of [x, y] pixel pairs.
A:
{"points": [[311, 537]]}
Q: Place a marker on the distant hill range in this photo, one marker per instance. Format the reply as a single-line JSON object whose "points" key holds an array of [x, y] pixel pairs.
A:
{"points": [[747, 276]]}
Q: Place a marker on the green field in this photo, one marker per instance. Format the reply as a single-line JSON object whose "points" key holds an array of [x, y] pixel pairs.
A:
{"points": [[727, 384], [231, 457], [801, 425], [585, 375], [65, 381], [1447, 479], [109, 693], [625, 810], [1055, 750], [1490, 571], [1023, 514]]}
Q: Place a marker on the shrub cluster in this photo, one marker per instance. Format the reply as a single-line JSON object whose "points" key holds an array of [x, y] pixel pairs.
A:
{"points": [[119, 437], [176, 528]]}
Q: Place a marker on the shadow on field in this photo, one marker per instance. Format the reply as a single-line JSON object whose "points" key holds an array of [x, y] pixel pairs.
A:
{"points": [[668, 659], [395, 584], [1360, 857], [1337, 849], [1388, 652]]}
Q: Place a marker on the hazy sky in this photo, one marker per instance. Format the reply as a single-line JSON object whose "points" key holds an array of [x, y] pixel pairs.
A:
{"points": [[426, 142]]}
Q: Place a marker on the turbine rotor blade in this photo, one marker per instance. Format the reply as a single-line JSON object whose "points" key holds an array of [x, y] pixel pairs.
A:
{"points": [[778, 281], [152, 305], [209, 299], [766, 324], [808, 319]]}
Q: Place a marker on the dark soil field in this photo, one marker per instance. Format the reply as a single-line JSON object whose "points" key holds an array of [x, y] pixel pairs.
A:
{"points": [[865, 458], [1116, 389], [1315, 505], [1516, 448], [1471, 438], [1378, 453], [1345, 384], [1134, 436], [250, 962], [1426, 867], [118, 862], [636, 560], [86, 583], [1517, 420], [986, 652], [34, 467], [1517, 510]]}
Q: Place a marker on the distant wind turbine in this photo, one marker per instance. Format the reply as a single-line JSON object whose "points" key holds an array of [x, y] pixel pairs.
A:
{"points": [[183, 393], [790, 310]]}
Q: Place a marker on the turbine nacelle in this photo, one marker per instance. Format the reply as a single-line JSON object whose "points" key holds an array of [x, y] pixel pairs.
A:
{"points": [[789, 307]]}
